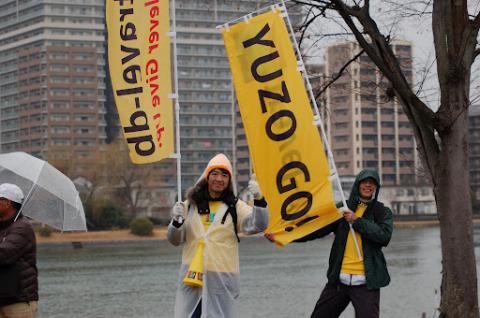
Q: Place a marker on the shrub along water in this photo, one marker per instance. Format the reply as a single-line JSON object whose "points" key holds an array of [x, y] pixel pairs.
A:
{"points": [[105, 215], [141, 227]]}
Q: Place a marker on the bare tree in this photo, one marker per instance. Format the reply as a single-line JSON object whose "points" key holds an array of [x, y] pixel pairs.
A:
{"points": [[441, 135], [128, 182], [90, 171]]}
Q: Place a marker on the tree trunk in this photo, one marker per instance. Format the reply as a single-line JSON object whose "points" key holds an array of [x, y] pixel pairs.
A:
{"points": [[455, 38], [452, 192]]}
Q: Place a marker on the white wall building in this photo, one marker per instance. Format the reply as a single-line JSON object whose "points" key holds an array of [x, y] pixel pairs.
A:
{"points": [[409, 200]]}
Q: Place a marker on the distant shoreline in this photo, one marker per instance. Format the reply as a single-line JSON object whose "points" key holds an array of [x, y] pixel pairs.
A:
{"points": [[415, 224], [160, 233], [431, 221], [100, 236]]}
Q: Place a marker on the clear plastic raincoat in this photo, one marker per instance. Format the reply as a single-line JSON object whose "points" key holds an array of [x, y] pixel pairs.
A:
{"points": [[220, 258]]}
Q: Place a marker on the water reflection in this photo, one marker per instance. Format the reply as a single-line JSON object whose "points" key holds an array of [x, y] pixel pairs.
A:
{"points": [[139, 279]]}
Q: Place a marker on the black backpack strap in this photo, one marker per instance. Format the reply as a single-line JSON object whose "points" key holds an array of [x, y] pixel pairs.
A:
{"points": [[232, 210]]}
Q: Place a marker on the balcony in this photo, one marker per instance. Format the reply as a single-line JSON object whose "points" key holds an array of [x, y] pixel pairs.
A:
{"points": [[369, 143]]}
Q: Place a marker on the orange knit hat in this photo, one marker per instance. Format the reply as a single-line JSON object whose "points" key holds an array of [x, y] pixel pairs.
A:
{"points": [[220, 161]]}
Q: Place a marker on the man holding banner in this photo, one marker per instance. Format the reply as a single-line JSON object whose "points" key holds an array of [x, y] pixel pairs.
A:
{"points": [[207, 225], [288, 156], [352, 278]]}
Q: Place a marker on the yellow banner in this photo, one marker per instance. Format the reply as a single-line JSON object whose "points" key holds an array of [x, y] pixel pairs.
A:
{"points": [[140, 70], [285, 145]]}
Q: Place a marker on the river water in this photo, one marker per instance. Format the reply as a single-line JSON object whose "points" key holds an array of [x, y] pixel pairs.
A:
{"points": [[138, 279]]}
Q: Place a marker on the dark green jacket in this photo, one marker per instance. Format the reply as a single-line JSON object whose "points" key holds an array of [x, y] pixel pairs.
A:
{"points": [[375, 228]]}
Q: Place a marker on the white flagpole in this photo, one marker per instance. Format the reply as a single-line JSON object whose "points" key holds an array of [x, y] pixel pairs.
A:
{"points": [[178, 156], [234, 138], [318, 122]]}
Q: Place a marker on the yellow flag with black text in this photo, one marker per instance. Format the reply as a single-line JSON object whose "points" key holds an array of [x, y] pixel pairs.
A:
{"points": [[140, 72], [287, 152]]}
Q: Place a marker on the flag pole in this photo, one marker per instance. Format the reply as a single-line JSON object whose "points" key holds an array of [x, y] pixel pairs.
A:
{"points": [[318, 121], [234, 138], [177, 156]]}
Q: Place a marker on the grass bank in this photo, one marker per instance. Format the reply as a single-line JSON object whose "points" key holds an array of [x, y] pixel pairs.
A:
{"points": [[100, 236], [160, 233]]}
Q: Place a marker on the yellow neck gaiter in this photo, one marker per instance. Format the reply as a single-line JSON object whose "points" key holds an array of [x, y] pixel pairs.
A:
{"points": [[352, 264]]}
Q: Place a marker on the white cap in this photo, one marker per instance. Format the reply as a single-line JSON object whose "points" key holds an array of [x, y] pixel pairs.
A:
{"points": [[11, 192]]}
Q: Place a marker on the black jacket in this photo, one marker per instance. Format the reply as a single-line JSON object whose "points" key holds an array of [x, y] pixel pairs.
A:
{"points": [[18, 255]]}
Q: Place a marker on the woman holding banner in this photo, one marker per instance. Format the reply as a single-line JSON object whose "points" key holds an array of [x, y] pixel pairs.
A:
{"points": [[207, 225]]}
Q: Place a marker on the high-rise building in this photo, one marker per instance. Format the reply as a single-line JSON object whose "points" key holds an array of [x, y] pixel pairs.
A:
{"points": [[474, 144], [205, 87], [366, 125], [52, 71], [55, 96]]}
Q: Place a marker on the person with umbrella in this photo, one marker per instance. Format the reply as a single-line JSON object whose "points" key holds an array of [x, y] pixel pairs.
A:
{"points": [[50, 196], [18, 265]]}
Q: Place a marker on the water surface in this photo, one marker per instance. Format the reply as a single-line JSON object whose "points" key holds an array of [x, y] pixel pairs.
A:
{"points": [[138, 279]]}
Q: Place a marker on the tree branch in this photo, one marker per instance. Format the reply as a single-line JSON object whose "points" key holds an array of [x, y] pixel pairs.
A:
{"points": [[309, 22], [321, 3], [366, 5], [476, 53], [380, 52], [338, 74], [476, 21]]}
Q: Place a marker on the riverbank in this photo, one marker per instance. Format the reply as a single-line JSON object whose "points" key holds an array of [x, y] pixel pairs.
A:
{"points": [[100, 236], [423, 223], [160, 233]]}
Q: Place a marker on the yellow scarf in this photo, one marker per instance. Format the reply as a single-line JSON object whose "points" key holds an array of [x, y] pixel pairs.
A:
{"points": [[352, 264]]}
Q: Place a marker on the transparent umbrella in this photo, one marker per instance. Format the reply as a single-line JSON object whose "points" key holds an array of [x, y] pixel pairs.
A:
{"points": [[50, 196]]}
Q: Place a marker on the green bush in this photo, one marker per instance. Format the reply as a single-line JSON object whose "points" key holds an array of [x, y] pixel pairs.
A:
{"points": [[44, 231], [141, 227], [105, 215]]}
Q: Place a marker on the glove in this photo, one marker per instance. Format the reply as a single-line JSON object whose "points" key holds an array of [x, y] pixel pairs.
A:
{"points": [[178, 212], [253, 188]]}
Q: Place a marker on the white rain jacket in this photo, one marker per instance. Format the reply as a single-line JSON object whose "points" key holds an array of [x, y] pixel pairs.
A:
{"points": [[220, 259]]}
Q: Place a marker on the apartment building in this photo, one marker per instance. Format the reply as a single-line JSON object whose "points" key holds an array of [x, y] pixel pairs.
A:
{"points": [[474, 144], [366, 125], [209, 120], [407, 200], [52, 71], [55, 95]]}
